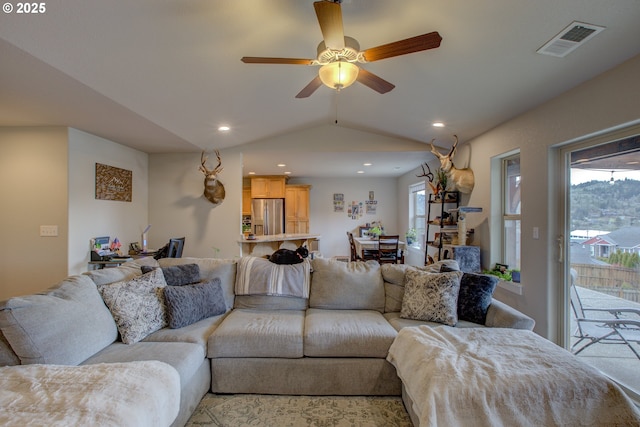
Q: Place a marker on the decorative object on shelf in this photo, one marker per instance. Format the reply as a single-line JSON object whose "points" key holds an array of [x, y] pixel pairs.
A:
{"points": [[411, 235], [515, 275], [213, 188], [458, 179]]}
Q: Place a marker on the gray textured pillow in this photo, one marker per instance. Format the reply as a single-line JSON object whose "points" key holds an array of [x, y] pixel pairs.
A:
{"points": [[137, 305], [431, 296], [190, 303], [178, 275]]}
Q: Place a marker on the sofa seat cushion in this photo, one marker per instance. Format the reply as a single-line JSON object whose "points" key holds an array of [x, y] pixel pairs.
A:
{"points": [[196, 333], [347, 333], [398, 322], [63, 326], [186, 358], [258, 333]]}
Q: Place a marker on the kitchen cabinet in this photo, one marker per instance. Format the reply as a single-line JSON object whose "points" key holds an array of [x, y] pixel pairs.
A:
{"points": [[296, 208], [246, 201], [267, 187]]}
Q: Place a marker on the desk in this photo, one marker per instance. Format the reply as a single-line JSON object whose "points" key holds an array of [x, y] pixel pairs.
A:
{"points": [[98, 265], [366, 243]]}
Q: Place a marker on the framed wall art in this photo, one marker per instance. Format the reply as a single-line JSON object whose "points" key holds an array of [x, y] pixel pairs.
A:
{"points": [[113, 183]]}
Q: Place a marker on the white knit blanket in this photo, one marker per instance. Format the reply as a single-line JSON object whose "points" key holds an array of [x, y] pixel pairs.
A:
{"points": [[259, 276], [111, 394], [502, 377]]}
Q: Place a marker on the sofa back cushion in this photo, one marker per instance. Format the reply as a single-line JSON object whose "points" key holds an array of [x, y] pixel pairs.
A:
{"points": [[346, 286], [126, 271], [210, 268], [7, 356], [64, 325]]}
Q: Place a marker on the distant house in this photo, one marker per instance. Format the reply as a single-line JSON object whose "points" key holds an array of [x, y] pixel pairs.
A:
{"points": [[580, 236], [625, 239]]}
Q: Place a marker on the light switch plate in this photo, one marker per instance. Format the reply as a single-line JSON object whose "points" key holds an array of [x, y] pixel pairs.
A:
{"points": [[48, 230]]}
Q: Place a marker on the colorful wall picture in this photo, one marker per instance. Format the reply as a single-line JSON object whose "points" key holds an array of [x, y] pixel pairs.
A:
{"points": [[338, 202]]}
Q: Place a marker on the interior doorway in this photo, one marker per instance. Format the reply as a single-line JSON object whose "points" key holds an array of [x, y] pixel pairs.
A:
{"points": [[602, 246]]}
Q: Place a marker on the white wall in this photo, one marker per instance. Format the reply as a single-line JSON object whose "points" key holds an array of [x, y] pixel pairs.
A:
{"points": [[89, 217], [33, 187], [332, 226], [178, 208], [608, 101]]}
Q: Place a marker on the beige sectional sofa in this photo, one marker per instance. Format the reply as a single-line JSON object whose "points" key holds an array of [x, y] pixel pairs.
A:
{"points": [[330, 339]]}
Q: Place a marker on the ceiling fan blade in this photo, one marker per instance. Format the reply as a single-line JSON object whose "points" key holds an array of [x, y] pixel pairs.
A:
{"points": [[310, 88], [330, 19], [263, 60], [374, 82], [403, 47]]}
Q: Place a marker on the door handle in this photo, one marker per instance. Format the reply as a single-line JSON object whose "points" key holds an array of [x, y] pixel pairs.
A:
{"points": [[560, 240]]}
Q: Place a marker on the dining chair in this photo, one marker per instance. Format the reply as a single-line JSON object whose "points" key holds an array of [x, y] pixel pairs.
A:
{"points": [[367, 254], [388, 249]]}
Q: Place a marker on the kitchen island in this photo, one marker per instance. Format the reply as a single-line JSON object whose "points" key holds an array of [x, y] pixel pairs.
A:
{"points": [[266, 245]]}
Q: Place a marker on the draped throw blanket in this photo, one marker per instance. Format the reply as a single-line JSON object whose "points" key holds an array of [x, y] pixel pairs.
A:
{"points": [[135, 394], [259, 276], [503, 377]]}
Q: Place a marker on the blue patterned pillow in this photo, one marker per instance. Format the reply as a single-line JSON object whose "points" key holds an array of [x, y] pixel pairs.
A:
{"points": [[188, 304], [476, 291]]}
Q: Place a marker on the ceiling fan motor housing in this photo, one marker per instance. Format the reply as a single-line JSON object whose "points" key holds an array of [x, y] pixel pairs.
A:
{"points": [[349, 53]]}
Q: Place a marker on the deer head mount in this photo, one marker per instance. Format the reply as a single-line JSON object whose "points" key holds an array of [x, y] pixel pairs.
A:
{"points": [[213, 188], [461, 180]]}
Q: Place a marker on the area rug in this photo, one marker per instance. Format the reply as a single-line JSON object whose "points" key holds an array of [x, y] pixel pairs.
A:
{"points": [[317, 411]]}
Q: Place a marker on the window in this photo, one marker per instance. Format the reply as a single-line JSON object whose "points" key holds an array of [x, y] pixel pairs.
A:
{"points": [[511, 211], [417, 211]]}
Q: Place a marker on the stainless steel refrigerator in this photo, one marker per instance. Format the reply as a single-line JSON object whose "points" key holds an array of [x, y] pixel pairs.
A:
{"points": [[267, 216]]}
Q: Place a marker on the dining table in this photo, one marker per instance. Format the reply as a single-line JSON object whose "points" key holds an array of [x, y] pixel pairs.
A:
{"points": [[363, 243]]}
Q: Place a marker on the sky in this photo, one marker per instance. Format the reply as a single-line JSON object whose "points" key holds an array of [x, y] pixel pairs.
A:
{"points": [[578, 176]]}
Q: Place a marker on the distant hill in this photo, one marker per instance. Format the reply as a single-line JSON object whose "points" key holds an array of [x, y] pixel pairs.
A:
{"points": [[599, 205]]}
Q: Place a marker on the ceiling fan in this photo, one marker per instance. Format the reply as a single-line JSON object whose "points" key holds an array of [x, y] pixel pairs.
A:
{"points": [[338, 53]]}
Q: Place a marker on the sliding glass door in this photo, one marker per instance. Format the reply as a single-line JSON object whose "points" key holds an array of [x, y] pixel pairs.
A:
{"points": [[600, 254]]}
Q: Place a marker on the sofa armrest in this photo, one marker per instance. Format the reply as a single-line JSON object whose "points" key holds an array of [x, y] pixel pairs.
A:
{"points": [[501, 315]]}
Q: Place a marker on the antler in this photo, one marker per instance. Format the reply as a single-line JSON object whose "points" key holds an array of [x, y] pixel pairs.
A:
{"points": [[424, 173], [203, 162], [453, 147]]}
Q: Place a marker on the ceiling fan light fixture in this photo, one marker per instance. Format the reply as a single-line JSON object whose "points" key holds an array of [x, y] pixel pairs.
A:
{"points": [[339, 74]]}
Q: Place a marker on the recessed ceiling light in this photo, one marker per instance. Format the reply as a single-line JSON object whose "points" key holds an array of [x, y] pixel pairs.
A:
{"points": [[252, 173], [367, 164], [287, 173], [438, 125], [360, 172], [281, 165], [224, 128]]}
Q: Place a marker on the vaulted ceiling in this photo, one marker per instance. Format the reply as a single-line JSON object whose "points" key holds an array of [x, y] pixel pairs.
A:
{"points": [[163, 76]]}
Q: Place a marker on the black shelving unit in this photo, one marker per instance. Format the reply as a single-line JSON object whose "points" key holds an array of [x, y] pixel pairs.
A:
{"points": [[442, 224]]}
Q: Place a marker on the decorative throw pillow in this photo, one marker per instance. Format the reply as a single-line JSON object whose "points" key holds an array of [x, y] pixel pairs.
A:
{"points": [[190, 303], [431, 296], [476, 291], [137, 305], [178, 275]]}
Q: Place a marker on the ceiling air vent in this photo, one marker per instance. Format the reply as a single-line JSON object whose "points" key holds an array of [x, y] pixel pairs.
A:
{"points": [[576, 34]]}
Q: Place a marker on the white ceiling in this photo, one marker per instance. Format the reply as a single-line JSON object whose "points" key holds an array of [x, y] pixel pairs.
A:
{"points": [[162, 76]]}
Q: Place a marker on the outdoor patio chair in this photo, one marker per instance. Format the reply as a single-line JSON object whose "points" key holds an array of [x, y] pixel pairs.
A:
{"points": [[605, 326]]}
